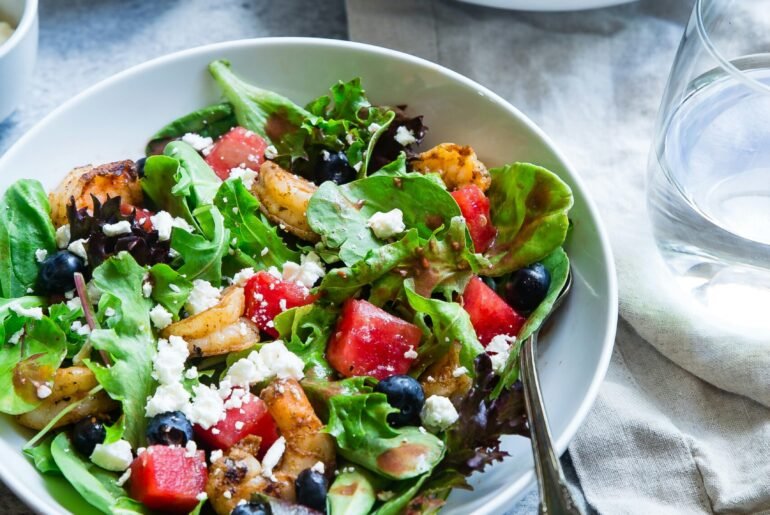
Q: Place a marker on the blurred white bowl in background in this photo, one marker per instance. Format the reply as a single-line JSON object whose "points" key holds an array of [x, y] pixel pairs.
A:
{"points": [[547, 5], [18, 53]]}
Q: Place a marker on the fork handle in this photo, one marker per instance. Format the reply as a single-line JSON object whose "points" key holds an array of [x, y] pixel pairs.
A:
{"points": [[555, 498]]}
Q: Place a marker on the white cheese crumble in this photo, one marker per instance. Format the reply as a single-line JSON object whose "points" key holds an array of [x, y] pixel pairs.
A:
{"points": [[358, 165], [116, 229], [242, 277], [168, 363], [63, 236], [78, 248], [202, 297], [319, 467], [499, 348], [272, 360], [43, 391], [216, 455], [74, 303], [34, 313], [411, 353], [163, 222], [202, 496], [386, 495], [80, 328], [438, 413], [197, 141], [110, 312], [207, 408], [191, 373], [16, 337], [191, 448], [115, 456], [459, 371], [404, 136], [374, 127], [40, 255], [350, 138], [247, 175], [168, 397], [271, 152], [272, 457], [160, 317], [306, 273], [147, 289], [386, 225]]}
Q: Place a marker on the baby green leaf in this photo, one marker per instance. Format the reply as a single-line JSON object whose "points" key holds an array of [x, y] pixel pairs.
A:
{"points": [[211, 121], [306, 331], [169, 288]]}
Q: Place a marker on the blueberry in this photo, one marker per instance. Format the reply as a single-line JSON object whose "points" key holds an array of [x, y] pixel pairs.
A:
{"points": [[526, 288], [333, 166], [57, 273], [139, 164], [251, 508], [405, 394], [311, 488], [86, 434], [170, 428]]}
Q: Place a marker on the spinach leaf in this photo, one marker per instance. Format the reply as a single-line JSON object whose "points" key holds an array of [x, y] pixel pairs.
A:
{"points": [[97, 486], [25, 226], [557, 264], [529, 206], [169, 288], [127, 340], [449, 325], [42, 458], [161, 176], [199, 182], [212, 121], [201, 254], [340, 213], [363, 435], [306, 331], [252, 234]]}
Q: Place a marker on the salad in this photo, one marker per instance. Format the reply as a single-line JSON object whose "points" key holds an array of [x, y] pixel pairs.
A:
{"points": [[280, 309]]}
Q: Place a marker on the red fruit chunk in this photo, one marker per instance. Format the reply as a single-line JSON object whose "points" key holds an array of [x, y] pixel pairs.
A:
{"points": [[237, 148], [369, 341], [490, 314], [474, 206], [167, 479], [251, 418], [267, 296], [142, 216]]}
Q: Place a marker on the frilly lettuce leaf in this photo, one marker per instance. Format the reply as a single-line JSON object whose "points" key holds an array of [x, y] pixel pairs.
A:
{"points": [[169, 288], [211, 121], [198, 182], [64, 316], [306, 331], [529, 206], [201, 254]]}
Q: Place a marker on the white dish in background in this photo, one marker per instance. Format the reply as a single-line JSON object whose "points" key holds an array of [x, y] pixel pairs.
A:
{"points": [[114, 119], [18, 53], [547, 5]]}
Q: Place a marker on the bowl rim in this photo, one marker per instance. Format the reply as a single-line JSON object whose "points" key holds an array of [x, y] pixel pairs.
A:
{"points": [[23, 28], [24, 492]]}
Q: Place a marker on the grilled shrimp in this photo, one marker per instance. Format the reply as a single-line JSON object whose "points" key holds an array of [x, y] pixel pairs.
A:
{"points": [[70, 385], [457, 165], [219, 329], [439, 378], [239, 472], [284, 197], [108, 180]]}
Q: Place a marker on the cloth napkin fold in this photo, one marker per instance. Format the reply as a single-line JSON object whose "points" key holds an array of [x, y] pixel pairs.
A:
{"points": [[681, 423]]}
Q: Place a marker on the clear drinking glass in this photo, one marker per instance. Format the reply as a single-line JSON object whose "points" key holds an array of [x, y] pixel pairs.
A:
{"points": [[709, 168]]}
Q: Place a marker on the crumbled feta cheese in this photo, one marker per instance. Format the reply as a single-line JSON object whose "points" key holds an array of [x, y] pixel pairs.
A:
{"points": [[307, 273], [43, 391], [386, 225], [80, 328], [40, 255], [357, 166], [271, 152], [282, 304], [374, 127], [63, 236], [325, 155], [247, 371], [168, 397], [247, 175], [110, 312], [216, 455], [202, 496], [273, 457], [173, 287], [163, 222], [411, 353], [264, 252], [239, 425], [181, 223], [202, 297], [16, 337], [350, 138], [147, 289], [319, 467], [438, 413], [30, 290], [115, 456], [116, 229], [459, 371], [78, 248], [74, 303], [123, 479], [207, 407], [283, 363], [168, 363], [191, 373], [499, 348], [34, 313], [160, 317], [191, 448], [227, 494], [70, 294], [197, 141], [404, 136], [242, 277]]}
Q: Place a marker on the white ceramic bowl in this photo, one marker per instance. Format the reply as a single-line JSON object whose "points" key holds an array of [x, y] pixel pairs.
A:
{"points": [[17, 55], [547, 5], [113, 120]]}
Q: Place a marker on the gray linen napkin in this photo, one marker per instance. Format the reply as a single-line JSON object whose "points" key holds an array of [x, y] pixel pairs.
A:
{"points": [[665, 436]]}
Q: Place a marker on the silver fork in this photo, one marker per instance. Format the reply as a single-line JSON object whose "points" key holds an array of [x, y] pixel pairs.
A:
{"points": [[555, 498]]}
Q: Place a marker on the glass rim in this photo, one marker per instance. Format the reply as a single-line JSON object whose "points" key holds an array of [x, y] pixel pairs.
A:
{"points": [[717, 55]]}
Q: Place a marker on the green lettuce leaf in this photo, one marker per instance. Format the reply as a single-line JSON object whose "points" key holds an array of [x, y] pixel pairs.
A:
{"points": [[202, 254], [199, 182], [161, 176], [306, 331], [363, 435], [25, 226], [97, 486], [127, 339], [42, 458], [211, 121], [340, 213], [403, 495], [352, 492], [171, 298], [529, 206], [64, 316]]}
